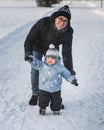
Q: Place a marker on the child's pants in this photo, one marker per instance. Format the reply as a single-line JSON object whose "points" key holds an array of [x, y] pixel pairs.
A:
{"points": [[53, 98]]}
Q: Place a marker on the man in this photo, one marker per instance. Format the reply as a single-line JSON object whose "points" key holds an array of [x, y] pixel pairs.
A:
{"points": [[55, 30]]}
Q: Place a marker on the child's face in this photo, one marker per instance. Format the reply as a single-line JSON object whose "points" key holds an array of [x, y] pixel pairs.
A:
{"points": [[50, 61]]}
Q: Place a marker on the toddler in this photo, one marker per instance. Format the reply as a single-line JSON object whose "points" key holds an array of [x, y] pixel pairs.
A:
{"points": [[51, 72]]}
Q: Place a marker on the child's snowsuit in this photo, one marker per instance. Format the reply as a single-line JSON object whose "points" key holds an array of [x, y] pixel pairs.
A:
{"points": [[50, 81]]}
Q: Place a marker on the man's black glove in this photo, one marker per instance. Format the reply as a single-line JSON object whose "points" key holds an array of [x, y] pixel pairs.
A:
{"points": [[74, 82], [31, 58], [27, 56]]}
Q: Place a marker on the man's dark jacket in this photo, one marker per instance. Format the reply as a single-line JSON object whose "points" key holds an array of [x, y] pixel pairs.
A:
{"points": [[44, 33]]}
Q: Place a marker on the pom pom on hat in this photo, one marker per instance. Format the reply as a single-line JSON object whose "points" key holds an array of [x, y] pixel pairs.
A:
{"points": [[51, 46]]}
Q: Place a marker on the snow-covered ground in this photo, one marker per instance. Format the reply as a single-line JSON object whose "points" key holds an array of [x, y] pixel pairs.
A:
{"points": [[84, 105]]}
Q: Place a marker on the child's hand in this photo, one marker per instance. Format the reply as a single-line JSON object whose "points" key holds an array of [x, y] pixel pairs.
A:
{"points": [[74, 82]]}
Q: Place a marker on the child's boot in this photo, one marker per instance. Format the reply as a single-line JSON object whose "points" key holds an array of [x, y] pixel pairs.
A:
{"points": [[56, 113], [42, 111]]}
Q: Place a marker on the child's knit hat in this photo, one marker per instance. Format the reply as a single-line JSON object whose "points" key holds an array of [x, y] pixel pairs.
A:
{"points": [[52, 52]]}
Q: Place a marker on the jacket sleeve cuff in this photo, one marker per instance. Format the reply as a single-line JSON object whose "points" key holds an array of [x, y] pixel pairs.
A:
{"points": [[71, 78]]}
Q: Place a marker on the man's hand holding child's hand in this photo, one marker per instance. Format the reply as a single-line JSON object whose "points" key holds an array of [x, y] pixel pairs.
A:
{"points": [[30, 58]]}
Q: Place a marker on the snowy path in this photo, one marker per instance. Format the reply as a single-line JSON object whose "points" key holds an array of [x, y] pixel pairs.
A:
{"points": [[84, 106]]}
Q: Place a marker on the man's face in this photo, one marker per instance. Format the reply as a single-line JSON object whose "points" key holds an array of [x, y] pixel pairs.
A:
{"points": [[61, 22]]}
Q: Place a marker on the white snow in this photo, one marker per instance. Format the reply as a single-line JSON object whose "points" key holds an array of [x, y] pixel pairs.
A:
{"points": [[84, 105]]}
